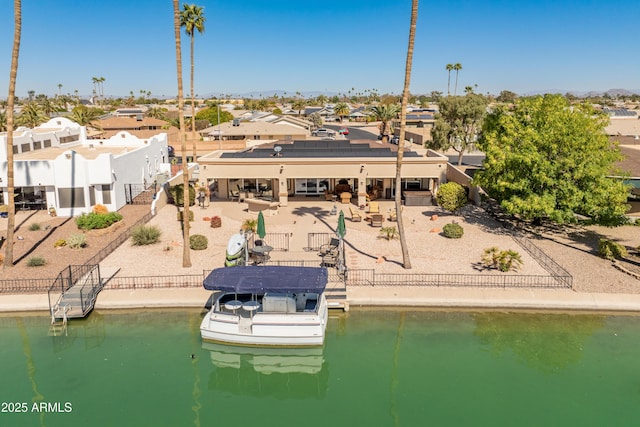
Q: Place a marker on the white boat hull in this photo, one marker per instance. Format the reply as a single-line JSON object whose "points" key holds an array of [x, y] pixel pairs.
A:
{"points": [[299, 329]]}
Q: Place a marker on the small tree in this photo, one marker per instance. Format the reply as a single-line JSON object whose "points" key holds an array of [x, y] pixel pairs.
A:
{"points": [[451, 196]]}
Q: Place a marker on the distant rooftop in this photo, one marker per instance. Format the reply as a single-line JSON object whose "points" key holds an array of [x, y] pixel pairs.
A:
{"points": [[309, 149]]}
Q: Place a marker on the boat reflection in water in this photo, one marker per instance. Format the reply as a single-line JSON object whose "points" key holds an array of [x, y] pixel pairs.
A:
{"points": [[284, 373]]}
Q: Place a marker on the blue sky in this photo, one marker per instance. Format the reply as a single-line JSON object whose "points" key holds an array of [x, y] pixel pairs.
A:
{"points": [[327, 45]]}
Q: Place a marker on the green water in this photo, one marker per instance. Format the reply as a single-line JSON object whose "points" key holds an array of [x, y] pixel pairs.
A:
{"points": [[377, 368]]}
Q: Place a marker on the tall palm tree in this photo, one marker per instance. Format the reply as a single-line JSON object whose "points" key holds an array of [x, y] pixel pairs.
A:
{"points": [[341, 109], [406, 262], [449, 67], [60, 89], [385, 113], [192, 19], [186, 255], [101, 81], [457, 67], [11, 221]]}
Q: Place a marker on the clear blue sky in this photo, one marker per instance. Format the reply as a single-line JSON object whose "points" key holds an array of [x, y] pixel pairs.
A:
{"points": [[324, 45]]}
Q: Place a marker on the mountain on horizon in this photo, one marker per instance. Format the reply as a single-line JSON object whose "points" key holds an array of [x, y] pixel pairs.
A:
{"points": [[586, 94]]}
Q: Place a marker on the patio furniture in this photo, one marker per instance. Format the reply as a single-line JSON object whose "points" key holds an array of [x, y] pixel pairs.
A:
{"points": [[330, 252], [234, 195], [328, 196], [374, 207], [376, 220], [345, 198], [355, 215], [417, 198], [392, 214]]}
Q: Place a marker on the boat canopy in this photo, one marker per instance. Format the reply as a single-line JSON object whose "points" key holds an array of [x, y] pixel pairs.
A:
{"points": [[263, 279]]}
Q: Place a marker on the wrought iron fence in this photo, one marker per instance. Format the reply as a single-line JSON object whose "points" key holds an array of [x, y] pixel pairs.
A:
{"points": [[316, 240], [371, 278], [278, 241], [146, 282], [139, 194], [25, 286], [544, 260]]}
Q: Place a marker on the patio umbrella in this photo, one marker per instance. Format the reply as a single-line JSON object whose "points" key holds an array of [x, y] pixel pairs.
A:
{"points": [[260, 230], [341, 230]]}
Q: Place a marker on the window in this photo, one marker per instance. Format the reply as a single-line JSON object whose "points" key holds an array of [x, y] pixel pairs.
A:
{"points": [[71, 197], [25, 147], [47, 143], [37, 145], [106, 194]]}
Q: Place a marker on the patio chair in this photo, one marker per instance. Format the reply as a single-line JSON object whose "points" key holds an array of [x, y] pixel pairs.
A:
{"points": [[374, 207], [355, 215], [330, 252], [392, 214], [376, 220], [234, 195], [345, 198]]}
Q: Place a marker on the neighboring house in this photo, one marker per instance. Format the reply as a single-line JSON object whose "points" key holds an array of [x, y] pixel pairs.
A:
{"points": [[418, 126], [141, 127], [56, 166], [303, 168], [133, 113], [253, 133]]}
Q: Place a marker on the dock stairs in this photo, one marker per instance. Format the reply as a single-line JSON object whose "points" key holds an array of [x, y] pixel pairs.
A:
{"points": [[75, 291]]}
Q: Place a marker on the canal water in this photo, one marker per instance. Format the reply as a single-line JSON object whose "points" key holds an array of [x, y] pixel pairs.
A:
{"points": [[377, 368]]}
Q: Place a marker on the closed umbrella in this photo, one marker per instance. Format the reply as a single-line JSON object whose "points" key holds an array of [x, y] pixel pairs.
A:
{"points": [[261, 230], [341, 230]]}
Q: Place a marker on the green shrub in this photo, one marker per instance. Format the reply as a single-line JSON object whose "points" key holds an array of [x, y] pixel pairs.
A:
{"points": [[145, 235], [451, 196], [34, 226], [198, 242], [93, 221], [502, 260], [36, 261], [611, 250], [178, 195], [77, 241], [60, 243], [180, 215], [453, 230]]}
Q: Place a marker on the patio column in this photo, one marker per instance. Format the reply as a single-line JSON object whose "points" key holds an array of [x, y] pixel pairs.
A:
{"points": [[283, 194], [362, 186]]}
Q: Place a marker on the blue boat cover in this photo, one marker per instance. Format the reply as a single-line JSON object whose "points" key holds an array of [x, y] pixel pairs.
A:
{"points": [[262, 279]]}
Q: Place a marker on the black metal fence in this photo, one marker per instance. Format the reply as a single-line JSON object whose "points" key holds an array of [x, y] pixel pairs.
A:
{"points": [[139, 194], [316, 240], [278, 241], [146, 282], [544, 260], [25, 286], [371, 278]]}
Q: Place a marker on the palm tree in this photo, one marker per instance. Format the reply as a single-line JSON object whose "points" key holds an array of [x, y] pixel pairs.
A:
{"points": [[341, 109], [385, 113], [186, 256], [457, 67], [60, 89], [192, 19], [11, 221], [299, 104], [101, 89], [157, 113], [406, 262], [31, 115], [449, 67], [85, 116]]}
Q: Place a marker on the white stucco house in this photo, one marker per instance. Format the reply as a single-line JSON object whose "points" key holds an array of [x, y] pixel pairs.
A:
{"points": [[55, 165]]}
